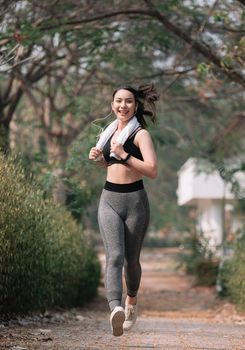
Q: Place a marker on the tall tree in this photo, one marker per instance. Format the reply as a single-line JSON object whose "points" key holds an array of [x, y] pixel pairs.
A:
{"points": [[192, 51]]}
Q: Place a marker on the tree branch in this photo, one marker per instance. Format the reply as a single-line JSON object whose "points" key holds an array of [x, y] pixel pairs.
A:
{"points": [[231, 72], [95, 18], [204, 50], [14, 102], [167, 72], [8, 88], [152, 12], [235, 124]]}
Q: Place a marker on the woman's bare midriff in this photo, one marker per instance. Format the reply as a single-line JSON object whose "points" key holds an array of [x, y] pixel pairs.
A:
{"points": [[122, 174]]}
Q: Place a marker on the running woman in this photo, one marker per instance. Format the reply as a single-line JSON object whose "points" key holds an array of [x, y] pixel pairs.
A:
{"points": [[126, 150]]}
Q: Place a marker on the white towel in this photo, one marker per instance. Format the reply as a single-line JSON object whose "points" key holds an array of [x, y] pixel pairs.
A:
{"points": [[132, 125]]}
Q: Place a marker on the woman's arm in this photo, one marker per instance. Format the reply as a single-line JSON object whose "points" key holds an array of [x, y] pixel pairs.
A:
{"points": [[147, 167], [97, 156]]}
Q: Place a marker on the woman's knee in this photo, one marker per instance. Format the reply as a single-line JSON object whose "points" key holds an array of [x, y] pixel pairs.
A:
{"points": [[132, 264], [116, 259]]}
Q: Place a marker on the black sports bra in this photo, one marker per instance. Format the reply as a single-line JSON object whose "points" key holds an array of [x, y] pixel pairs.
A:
{"points": [[128, 146]]}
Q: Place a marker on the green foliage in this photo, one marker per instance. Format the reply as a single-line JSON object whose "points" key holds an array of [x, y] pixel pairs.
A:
{"points": [[168, 5], [224, 275], [203, 69], [236, 283], [243, 15], [78, 198], [198, 105], [29, 34], [44, 259], [199, 260], [226, 61], [220, 16]]}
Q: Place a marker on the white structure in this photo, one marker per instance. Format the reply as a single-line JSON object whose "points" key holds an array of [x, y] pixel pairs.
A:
{"points": [[204, 189]]}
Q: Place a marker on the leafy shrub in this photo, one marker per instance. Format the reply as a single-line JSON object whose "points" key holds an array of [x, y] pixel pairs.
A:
{"points": [[44, 259], [206, 272], [224, 275], [236, 282], [199, 260], [78, 198]]}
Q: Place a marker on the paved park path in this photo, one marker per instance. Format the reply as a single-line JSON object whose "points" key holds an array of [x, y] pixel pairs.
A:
{"points": [[173, 314]]}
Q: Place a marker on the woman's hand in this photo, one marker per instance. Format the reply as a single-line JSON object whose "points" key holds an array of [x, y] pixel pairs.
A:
{"points": [[94, 154], [118, 149]]}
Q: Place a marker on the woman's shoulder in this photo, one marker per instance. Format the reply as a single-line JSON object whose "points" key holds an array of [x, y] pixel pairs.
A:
{"points": [[142, 137], [142, 133]]}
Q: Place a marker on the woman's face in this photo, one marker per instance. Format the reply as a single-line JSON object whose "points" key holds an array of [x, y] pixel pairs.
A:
{"points": [[124, 105]]}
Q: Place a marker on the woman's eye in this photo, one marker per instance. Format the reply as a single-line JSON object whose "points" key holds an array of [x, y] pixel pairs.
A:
{"points": [[119, 101]]}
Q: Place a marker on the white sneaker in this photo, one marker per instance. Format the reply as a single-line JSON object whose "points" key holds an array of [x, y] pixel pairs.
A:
{"points": [[117, 318], [131, 313]]}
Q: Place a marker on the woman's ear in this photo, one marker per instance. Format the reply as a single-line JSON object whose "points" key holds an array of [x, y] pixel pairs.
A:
{"points": [[136, 107]]}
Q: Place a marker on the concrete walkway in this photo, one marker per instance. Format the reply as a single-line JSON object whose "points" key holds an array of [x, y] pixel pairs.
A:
{"points": [[173, 315]]}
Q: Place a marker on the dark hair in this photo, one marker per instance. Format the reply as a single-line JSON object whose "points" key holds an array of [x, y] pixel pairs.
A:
{"points": [[145, 96]]}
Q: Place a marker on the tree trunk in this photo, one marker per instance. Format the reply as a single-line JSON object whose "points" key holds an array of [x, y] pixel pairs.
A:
{"points": [[4, 138], [57, 159], [59, 191]]}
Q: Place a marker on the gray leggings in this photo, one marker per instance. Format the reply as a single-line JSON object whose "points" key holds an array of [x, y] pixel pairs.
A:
{"points": [[123, 221]]}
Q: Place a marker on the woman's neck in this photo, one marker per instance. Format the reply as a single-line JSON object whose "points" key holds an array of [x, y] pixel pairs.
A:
{"points": [[121, 125]]}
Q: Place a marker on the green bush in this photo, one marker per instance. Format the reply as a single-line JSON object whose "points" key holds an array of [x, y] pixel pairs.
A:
{"points": [[224, 275], [236, 283], [44, 259], [199, 260], [206, 272]]}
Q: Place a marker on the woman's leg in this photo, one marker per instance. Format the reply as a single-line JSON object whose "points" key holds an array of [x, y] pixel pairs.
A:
{"points": [[135, 229], [136, 226], [112, 231]]}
